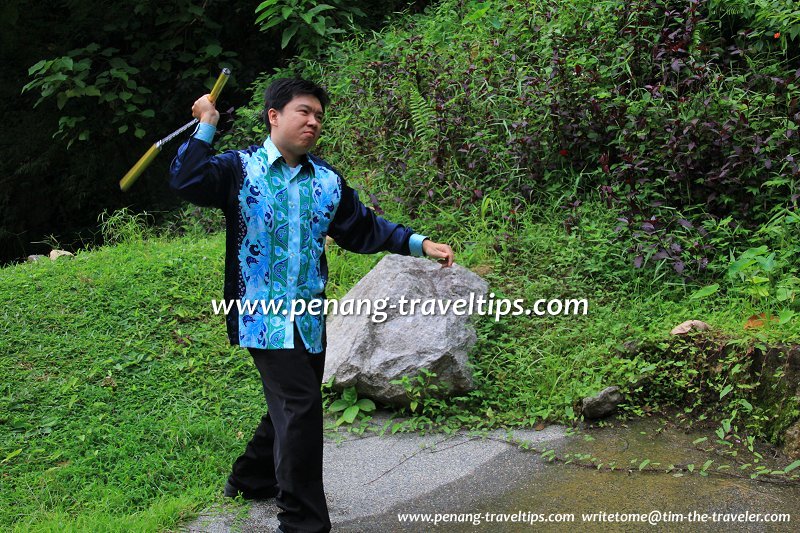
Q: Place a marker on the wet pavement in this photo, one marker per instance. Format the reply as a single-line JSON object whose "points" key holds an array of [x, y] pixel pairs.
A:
{"points": [[491, 482]]}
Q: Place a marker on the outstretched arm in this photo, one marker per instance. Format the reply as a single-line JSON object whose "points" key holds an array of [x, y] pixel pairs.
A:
{"points": [[358, 229]]}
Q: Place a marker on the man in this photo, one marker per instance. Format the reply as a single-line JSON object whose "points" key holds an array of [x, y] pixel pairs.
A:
{"points": [[280, 203]]}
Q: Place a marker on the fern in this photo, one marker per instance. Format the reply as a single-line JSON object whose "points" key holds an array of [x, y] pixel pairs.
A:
{"points": [[251, 116], [735, 8], [422, 116]]}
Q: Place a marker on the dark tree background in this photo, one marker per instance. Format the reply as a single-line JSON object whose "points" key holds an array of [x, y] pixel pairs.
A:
{"points": [[108, 79]]}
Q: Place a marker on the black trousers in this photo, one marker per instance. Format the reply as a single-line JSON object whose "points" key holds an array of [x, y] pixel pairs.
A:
{"points": [[285, 452]]}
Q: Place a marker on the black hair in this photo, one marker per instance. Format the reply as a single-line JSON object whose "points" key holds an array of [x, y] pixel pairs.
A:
{"points": [[281, 91]]}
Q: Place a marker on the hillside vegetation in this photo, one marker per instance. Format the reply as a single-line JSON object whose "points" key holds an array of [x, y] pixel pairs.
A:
{"points": [[640, 155]]}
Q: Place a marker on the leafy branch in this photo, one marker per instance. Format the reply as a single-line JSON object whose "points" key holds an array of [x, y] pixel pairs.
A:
{"points": [[308, 23]]}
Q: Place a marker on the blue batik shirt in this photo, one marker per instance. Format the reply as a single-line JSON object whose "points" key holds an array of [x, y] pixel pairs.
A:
{"points": [[283, 216]]}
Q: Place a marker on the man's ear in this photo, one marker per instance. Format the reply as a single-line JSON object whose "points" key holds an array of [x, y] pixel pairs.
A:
{"points": [[272, 114]]}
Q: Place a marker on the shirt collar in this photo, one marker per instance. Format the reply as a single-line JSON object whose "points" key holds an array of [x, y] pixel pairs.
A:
{"points": [[273, 154]]}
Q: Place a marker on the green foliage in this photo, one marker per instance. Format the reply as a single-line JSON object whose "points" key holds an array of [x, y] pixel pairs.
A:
{"points": [[124, 226], [729, 382], [762, 21], [126, 82], [309, 23], [756, 270], [422, 116], [351, 406], [640, 103], [195, 221], [422, 391], [66, 78], [766, 271], [429, 410], [705, 291]]}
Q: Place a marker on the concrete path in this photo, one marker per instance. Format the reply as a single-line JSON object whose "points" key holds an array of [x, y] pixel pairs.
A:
{"points": [[369, 479], [486, 483]]}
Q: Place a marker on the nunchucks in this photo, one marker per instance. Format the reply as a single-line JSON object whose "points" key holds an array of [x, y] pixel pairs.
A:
{"points": [[140, 166]]}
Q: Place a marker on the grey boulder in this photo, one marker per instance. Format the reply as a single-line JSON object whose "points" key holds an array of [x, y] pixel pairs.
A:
{"points": [[370, 350]]}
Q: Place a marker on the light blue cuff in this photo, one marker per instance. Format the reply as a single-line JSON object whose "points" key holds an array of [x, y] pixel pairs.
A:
{"points": [[415, 244], [205, 132]]}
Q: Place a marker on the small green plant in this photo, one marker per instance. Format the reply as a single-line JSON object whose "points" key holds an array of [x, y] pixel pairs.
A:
{"points": [[755, 269], [197, 221], [421, 390], [767, 279], [124, 225], [351, 406], [422, 115]]}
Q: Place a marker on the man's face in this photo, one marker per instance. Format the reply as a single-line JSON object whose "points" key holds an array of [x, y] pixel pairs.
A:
{"points": [[297, 127]]}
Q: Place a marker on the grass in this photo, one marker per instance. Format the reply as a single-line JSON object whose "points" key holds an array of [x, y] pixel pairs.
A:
{"points": [[122, 405], [120, 397]]}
